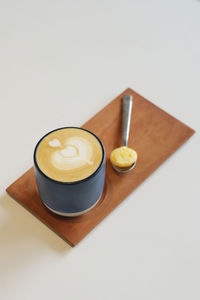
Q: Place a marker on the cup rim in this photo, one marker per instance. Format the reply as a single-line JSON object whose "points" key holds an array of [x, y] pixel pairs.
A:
{"points": [[65, 182]]}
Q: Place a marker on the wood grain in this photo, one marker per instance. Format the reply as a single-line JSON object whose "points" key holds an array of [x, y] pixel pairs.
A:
{"points": [[155, 135]]}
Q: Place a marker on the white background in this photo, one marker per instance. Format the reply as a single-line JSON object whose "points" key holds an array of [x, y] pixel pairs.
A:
{"points": [[60, 62]]}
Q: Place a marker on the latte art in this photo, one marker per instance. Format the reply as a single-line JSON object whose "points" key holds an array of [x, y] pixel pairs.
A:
{"points": [[76, 152], [69, 154]]}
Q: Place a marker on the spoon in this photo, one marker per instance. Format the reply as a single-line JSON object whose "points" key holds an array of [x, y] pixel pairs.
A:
{"points": [[126, 120]]}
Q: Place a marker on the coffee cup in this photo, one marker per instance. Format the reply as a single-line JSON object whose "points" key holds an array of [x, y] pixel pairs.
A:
{"points": [[69, 167]]}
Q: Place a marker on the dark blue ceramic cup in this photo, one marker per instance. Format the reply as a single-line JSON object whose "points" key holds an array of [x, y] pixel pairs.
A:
{"points": [[70, 198]]}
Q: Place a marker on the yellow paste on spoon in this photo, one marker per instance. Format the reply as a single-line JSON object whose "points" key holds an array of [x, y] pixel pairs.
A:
{"points": [[123, 157]]}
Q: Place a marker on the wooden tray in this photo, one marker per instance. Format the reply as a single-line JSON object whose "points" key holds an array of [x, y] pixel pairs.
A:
{"points": [[155, 135]]}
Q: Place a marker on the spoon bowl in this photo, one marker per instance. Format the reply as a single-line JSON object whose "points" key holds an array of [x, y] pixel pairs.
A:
{"points": [[123, 170]]}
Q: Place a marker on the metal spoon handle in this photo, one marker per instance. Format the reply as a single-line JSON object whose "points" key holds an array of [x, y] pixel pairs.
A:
{"points": [[126, 118]]}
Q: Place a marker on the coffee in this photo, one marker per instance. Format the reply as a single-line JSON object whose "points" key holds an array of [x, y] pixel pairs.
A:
{"points": [[69, 154]]}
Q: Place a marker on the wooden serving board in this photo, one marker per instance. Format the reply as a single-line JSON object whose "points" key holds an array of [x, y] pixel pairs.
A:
{"points": [[154, 134]]}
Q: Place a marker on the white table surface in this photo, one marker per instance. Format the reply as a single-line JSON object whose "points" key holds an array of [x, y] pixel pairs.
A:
{"points": [[60, 62]]}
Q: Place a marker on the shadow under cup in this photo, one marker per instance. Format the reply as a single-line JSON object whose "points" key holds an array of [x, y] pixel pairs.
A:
{"points": [[70, 198]]}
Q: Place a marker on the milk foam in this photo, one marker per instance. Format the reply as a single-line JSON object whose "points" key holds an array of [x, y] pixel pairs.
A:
{"points": [[55, 143], [76, 152]]}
